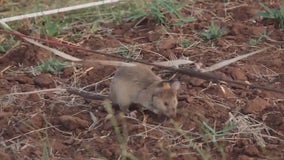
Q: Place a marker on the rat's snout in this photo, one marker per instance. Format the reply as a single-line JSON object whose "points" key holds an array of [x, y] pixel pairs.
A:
{"points": [[171, 114]]}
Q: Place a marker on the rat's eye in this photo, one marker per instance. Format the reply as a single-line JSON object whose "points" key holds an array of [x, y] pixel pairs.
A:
{"points": [[166, 104]]}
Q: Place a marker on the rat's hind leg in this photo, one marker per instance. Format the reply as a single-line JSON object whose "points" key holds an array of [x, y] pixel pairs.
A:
{"points": [[124, 103], [120, 94]]}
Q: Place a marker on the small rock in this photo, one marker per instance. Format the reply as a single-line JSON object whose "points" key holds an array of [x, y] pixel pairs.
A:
{"points": [[58, 146], [27, 87], [273, 120], [226, 92], [196, 82], [281, 127], [36, 121], [167, 43], [252, 150], [237, 74], [220, 9], [169, 54], [68, 71], [5, 114], [4, 156], [245, 157], [44, 80], [277, 62], [153, 36], [256, 105], [22, 79], [34, 98], [72, 123]]}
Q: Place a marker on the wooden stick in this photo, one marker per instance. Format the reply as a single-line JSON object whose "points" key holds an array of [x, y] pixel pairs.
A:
{"points": [[189, 72]]}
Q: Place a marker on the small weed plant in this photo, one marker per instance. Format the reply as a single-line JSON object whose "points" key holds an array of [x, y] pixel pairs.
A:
{"points": [[184, 43], [273, 13], [214, 31], [158, 9], [6, 42], [52, 65], [53, 27], [253, 41]]}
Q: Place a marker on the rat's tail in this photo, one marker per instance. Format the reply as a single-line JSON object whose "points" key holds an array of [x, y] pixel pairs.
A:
{"points": [[114, 63], [85, 94]]}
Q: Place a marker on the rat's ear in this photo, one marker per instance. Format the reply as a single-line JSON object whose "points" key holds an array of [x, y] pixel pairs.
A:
{"points": [[175, 85], [164, 85]]}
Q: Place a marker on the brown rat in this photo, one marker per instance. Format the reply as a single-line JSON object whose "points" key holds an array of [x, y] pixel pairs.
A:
{"points": [[139, 84]]}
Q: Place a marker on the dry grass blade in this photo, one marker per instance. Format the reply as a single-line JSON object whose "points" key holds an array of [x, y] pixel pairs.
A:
{"points": [[229, 61], [33, 92], [189, 72], [56, 52], [111, 63], [58, 10], [247, 126], [170, 63], [85, 94], [175, 63]]}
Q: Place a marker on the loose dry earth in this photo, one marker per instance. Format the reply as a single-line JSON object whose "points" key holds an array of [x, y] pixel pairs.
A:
{"points": [[57, 125]]}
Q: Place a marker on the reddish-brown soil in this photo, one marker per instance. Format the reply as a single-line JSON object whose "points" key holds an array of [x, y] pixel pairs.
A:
{"points": [[58, 125]]}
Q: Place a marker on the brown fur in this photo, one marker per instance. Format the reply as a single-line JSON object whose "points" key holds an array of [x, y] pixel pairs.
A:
{"points": [[139, 84]]}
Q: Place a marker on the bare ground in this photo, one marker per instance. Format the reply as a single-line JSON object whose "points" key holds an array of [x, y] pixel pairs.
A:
{"points": [[56, 125]]}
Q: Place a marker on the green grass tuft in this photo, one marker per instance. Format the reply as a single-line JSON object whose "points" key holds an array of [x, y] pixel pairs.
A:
{"points": [[214, 31], [184, 43], [272, 13], [52, 65]]}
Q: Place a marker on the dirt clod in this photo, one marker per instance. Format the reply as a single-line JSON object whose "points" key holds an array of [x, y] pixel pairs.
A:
{"points": [[22, 79], [71, 122], [57, 125], [153, 36], [4, 156], [237, 74], [167, 43], [5, 114], [245, 157], [252, 150], [44, 81], [256, 105], [68, 71]]}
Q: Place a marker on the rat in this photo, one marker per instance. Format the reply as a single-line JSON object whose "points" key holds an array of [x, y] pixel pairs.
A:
{"points": [[138, 84]]}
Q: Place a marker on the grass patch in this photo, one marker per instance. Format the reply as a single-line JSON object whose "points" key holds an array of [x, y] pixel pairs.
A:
{"points": [[6, 42], [121, 132], [214, 31], [184, 43], [273, 13], [256, 41], [159, 10], [52, 65], [211, 133], [54, 27], [13, 8], [165, 12], [128, 51]]}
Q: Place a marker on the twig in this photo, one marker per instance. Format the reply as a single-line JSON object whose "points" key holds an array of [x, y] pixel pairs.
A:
{"points": [[30, 132], [33, 92], [55, 51], [85, 94], [190, 72]]}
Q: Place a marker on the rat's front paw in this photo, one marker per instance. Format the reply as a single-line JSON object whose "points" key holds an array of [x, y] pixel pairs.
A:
{"points": [[132, 114]]}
